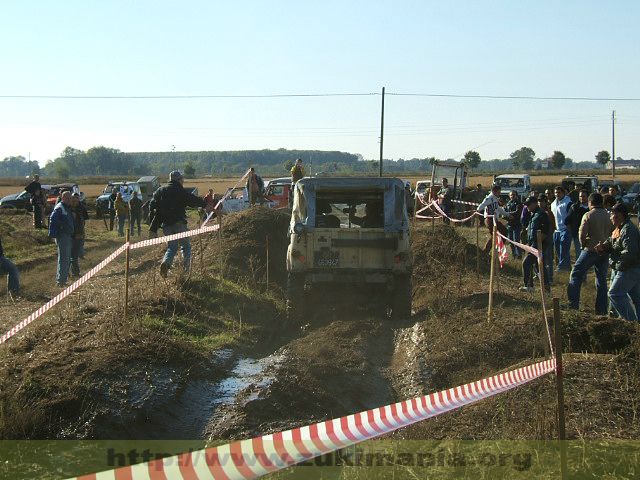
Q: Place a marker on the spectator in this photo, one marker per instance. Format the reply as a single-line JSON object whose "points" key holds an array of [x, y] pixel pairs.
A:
{"points": [[608, 202], [210, 201], [135, 213], [61, 227], [444, 199], [562, 234], [171, 202], [8, 267], [534, 193], [547, 246], [253, 187], [491, 209], [550, 197], [122, 212], [112, 207], [80, 216], [539, 222], [514, 226], [614, 191], [33, 186], [595, 228], [37, 206], [623, 247], [574, 218]]}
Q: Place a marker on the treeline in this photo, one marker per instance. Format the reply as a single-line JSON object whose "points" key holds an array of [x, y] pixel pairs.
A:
{"points": [[18, 166]]}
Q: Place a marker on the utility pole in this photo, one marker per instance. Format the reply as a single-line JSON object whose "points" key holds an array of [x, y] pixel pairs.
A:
{"points": [[382, 132], [613, 144]]}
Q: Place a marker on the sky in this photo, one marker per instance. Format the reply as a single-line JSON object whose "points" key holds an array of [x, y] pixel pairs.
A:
{"points": [[144, 48]]}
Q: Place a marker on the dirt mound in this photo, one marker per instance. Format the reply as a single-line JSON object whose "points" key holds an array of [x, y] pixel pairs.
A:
{"points": [[586, 333], [244, 240]]}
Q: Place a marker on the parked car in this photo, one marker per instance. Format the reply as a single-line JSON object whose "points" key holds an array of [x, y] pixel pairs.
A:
{"points": [[521, 183], [277, 192], [630, 197], [237, 200], [17, 201], [148, 185], [126, 188], [590, 184], [54, 191]]}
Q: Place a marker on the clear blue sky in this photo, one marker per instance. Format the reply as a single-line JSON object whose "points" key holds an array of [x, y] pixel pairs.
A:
{"points": [[142, 47]]}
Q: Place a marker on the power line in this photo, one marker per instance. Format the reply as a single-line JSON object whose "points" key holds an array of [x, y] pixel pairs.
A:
{"points": [[182, 97], [515, 97]]}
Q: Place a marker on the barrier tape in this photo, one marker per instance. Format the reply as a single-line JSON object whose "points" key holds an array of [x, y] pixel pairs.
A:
{"points": [[462, 220], [143, 243], [526, 248], [65, 293], [253, 458], [473, 204]]}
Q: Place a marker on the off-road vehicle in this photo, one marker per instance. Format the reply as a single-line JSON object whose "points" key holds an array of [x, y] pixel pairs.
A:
{"points": [[349, 236]]}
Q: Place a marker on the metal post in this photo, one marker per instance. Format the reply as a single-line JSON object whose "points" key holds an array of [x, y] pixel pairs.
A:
{"points": [[560, 386], [126, 276], [220, 245], [382, 132], [613, 144], [267, 247], [493, 268]]}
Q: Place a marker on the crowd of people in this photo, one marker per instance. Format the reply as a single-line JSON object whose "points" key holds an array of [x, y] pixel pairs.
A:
{"points": [[599, 228]]}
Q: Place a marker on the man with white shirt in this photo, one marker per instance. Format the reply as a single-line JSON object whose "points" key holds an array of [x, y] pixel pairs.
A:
{"points": [[562, 234], [490, 208]]}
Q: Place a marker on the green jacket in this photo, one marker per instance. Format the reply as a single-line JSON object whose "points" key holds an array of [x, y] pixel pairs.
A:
{"points": [[624, 250]]}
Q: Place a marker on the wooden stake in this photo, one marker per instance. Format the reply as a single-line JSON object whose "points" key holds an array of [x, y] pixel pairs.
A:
{"points": [[560, 386], [220, 244], [267, 246], [541, 278], [493, 268], [433, 222], [478, 247], [126, 276]]}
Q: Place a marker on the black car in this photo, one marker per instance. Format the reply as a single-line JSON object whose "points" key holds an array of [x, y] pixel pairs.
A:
{"points": [[17, 201]]}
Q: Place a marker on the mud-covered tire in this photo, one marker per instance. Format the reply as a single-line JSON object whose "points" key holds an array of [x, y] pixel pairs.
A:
{"points": [[401, 298], [296, 300]]}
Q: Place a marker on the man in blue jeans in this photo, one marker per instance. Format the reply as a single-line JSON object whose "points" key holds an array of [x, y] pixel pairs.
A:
{"points": [[171, 202], [7, 267], [624, 248], [595, 228], [562, 234], [61, 228]]}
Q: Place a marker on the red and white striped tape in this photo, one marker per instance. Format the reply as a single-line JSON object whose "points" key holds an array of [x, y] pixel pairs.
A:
{"points": [[456, 220], [65, 293], [261, 455], [522, 246], [473, 204], [175, 236]]}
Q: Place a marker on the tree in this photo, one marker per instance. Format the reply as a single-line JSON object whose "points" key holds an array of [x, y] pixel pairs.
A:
{"points": [[523, 158], [558, 159], [189, 170], [603, 157], [472, 159]]}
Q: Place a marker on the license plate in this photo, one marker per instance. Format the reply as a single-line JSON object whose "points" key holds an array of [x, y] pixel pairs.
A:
{"points": [[329, 259]]}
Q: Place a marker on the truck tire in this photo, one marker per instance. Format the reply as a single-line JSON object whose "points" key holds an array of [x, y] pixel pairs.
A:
{"points": [[401, 298], [296, 300]]}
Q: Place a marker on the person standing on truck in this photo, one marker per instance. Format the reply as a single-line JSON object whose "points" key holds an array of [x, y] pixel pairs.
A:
{"points": [[538, 222], [8, 267], [491, 209], [122, 212], [514, 225], [595, 228], [444, 199], [80, 216], [61, 228], [297, 172], [562, 234], [135, 213], [171, 202]]}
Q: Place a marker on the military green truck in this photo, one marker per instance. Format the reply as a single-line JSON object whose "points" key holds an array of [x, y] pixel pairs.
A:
{"points": [[349, 236]]}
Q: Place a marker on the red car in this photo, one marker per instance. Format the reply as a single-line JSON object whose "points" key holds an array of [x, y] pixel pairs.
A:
{"points": [[277, 191]]}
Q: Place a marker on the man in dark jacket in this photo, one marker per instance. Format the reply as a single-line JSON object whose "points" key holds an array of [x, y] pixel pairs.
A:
{"points": [[7, 267], [539, 222], [171, 202], [574, 218], [61, 227], [35, 190], [112, 207], [33, 186], [80, 216], [514, 225], [135, 213], [624, 249]]}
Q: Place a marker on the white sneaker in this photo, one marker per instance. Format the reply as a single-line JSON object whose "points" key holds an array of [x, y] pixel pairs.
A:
{"points": [[526, 289]]}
